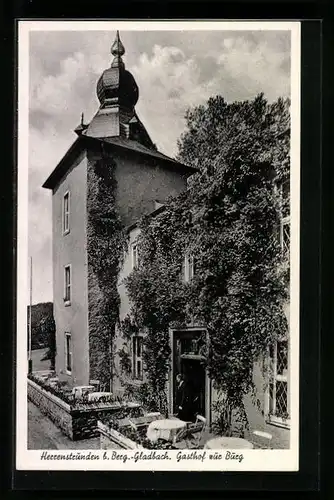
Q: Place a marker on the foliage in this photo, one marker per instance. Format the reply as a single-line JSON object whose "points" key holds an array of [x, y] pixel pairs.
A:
{"points": [[125, 361], [55, 389], [145, 392], [40, 312], [48, 328], [106, 242], [227, 219], [127, 330], [138, 435]]}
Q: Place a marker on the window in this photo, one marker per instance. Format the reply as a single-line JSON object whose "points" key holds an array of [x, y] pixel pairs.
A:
{"points": [[137, 360], [278, 385], [66, 213], [285, 198], [68, 352], [189, 268], [67, 285], [285, 237], [134, 255]]}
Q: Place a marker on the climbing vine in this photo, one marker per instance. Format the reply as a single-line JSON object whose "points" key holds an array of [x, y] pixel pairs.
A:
{"points": [[106, 243], [227, 220]]}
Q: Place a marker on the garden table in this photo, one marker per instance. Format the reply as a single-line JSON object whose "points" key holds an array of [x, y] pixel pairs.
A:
{"points": [[165, 429], [95, 396], [228, 443]]}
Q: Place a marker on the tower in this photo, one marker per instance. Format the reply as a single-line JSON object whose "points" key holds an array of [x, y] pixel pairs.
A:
{"points": [[135, 176]]}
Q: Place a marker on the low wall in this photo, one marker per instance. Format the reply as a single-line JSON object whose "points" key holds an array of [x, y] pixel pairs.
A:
{"points": [[53, 407], [111, 439], [76, 423]]}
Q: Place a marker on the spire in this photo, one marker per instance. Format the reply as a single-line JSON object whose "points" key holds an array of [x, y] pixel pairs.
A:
{"points": [[117, 50], [81, 127], [116, 86], [118, 94]]}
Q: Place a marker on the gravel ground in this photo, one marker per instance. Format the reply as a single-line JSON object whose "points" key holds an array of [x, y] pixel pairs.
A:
{"points": [[45, 435]]}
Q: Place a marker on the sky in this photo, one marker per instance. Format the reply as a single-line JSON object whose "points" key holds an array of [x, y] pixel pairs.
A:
{"points": [[174, 70]]}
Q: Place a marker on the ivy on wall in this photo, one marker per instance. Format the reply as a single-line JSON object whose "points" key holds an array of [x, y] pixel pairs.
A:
{"points": [[106, 241], [227, 220]]}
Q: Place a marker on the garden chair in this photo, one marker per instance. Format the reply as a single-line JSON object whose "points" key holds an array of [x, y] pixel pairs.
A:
{"points": [[187, 436], [80, 391], [200, 420], [153, 414], [132, 425]]}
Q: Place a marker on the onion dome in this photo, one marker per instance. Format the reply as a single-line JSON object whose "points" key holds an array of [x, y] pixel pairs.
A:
{"points": [[117, 85]]}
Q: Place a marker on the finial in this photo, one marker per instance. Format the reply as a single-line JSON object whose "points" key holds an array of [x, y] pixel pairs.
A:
{"points": [[82, 119], [117, 48]]}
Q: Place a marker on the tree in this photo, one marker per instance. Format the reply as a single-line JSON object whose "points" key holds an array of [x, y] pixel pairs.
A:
{"points": [[48, 327], [227, 220], [39, 312]]}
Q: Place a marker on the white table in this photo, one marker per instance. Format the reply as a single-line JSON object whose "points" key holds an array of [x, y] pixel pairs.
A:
{"points": [[96, 396], [166, 429], [228, 443]]}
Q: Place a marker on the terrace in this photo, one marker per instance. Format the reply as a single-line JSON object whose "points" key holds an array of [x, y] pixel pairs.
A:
{"points": [[121, 423]]}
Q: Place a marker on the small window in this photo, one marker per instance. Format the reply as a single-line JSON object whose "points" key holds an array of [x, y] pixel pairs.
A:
{"points": [[134, 255], [67, 284], [137, 360], [68, 352], [278, 385], [66, 213], [285, 198], [189, 268], [285, 238]]}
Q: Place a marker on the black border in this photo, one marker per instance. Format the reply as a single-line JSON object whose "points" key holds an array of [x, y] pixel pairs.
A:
{"points": [[307, 479]]}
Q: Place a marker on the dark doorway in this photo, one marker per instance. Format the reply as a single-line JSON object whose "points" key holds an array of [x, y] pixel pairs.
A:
{"points": [[189, 363], [194, 375]]}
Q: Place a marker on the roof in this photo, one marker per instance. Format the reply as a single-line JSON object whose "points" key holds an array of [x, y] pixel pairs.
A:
{"points": [[83, 141], [154, 213], [140, 148], [64, 164], [105, 122]]}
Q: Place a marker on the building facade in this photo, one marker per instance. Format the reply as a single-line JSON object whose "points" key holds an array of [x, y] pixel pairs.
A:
{"points": [[270, 413], [143, 178]]}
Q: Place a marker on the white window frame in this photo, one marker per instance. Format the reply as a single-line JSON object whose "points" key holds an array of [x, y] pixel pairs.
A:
{"points": [[275, 377], [68, 287], [281, 194], [285, 222], [136, 358], [66, 214], [189, 269], [68, 353], [134, 255]]}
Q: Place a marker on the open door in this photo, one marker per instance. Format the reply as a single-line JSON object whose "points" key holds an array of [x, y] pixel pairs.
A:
{"points": [[188, 361]]}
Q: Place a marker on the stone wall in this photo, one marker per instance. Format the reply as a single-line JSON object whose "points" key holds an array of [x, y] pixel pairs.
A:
{"points": [[57, 410], [75, 423]]}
